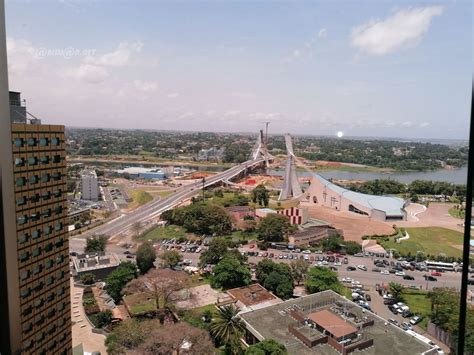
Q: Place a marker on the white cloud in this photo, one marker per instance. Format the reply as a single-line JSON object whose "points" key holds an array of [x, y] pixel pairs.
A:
{"points": [[407, 124], [322, 33], [89, 73], [424, 124], [189, 115], [118, 58], [403, 29], [146, 86], [231, 113], [173, 95], [21, 56]]}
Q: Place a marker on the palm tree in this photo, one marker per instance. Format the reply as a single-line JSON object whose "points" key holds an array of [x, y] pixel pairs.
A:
{"points": [[396, 290], [227, 328]]}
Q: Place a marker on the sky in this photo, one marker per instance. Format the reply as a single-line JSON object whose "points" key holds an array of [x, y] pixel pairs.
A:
{"points": [[364, 68]]}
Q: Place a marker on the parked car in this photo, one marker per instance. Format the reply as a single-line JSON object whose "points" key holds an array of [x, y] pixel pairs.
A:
{"points": [[430, 278], [385, 272], [350, 268], [407, 314], [436, 273], [376, 269], [362, 267], [389, 301], [408, 277], [406, 326], [393, 321], [416, 319]]}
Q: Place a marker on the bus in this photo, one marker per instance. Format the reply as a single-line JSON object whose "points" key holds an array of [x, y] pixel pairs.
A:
{"points": [[439, 266]]}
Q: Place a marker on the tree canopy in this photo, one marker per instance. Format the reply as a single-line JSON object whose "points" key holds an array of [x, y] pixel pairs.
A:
{"points": [[321, 279], [146, 256], [170, 258], [117, 279], [260, 195], [200, 218], [227, 329], [218, 248], [230, 272], [95, 244], [267, 347], [276, 277], [274, 228]]}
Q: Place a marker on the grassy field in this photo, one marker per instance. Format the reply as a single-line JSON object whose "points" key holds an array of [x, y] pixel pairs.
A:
{"points": [[419, 304], [239, 235], [166, 232], [456, 213], [430, 240], [139, 198], [194, 316]]}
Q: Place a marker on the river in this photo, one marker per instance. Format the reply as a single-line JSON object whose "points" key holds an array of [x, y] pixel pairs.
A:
{"points": [[458, 176]]}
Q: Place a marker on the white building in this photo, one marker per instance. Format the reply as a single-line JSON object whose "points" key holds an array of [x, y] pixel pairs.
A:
{"points": [[90, 186]]}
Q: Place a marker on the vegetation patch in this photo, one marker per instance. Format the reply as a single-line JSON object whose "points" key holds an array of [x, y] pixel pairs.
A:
{"points": [[165, 232], [139, 198], [199, 317], [457, 212], [419, 304], [432, 241]]}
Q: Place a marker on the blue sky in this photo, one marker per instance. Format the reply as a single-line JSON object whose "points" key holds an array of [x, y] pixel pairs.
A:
{"points": [[366, 68]]}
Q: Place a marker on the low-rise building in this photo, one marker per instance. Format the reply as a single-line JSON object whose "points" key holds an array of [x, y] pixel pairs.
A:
{"points": [[99, 264], [248, 298], [263, 212], [297, 215], [313, 235], [326, 323]]}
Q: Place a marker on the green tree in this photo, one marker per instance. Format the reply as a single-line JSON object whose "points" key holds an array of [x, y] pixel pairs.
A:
{"points": [[227, 329], [299, 268], [267, 347], [117, 279], [88, 278], [218, 248], [267, 266], [274, 228], [230, 272], [95, 244], [321, 279], [128, 335], [396, 290], [146, 256], [103, 319], [280, 284], [260, 195], [170, 258]]}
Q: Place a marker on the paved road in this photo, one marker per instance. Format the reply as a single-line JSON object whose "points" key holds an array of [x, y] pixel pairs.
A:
{"points": [[153, 209]]}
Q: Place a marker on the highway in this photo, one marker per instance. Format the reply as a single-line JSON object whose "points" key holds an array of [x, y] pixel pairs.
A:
{"points": [[153, 209]]}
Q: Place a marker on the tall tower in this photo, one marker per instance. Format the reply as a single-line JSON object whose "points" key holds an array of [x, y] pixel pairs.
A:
{"points": [[291, 187]]}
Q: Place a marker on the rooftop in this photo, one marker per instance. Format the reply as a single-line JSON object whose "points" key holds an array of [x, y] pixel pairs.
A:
{"points": [[332, 323], [252, 294], [272, 323], [392, 206]]}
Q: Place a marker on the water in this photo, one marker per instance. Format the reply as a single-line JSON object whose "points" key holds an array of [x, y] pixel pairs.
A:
{"points": [[458, 176]]}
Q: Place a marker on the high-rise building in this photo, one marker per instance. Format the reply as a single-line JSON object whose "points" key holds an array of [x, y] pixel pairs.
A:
{"points": [[34, 249], [42, 248], [17, 108], [90, 186]]}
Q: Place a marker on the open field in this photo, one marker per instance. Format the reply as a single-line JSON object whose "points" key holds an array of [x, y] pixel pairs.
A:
{"points": [[139, 198], [429, 240], [456, 213], [166, 232], [194, 316], [419, 304]]}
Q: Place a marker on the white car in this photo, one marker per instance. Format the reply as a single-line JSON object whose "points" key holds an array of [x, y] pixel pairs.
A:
{"points": [[384, 272], [337, 264], [400, 273], [362, 267]]}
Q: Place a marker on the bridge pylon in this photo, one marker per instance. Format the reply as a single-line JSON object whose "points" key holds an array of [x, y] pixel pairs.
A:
{"points": [[260, 149], [291, 187]]}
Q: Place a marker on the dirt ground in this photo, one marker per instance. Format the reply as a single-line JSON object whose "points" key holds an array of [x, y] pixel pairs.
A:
{"points": [[436, 215], [354, 226]]}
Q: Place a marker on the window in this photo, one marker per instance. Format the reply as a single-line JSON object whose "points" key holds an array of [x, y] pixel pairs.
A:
{"points": [[59, 259], [31, 142], [45, 177], [22, 220], [34, 179], [24, 275], [37, 269], [51, 313], [57, 193], [49, 280], [60, 274], [25, 292], [58, 210], [46, 195], [32, 161], [21, 181], [38, 302], [48, 247], [39, 319], [27, 327], [40, 336], [36, 234], [47, 230], [56, 176], [19, 162], [18, 142], [50, 297], [35, 216], [57, 159], [23, 238], [27, 311], [58, 227], [39, 286], [60, 292], [35, 198], [44, 142], [49, 263], [36, 252], [27, 344], [44, 159], [21, 201], [46, 213], [24, 256], [60, 243], [55, 141]]}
